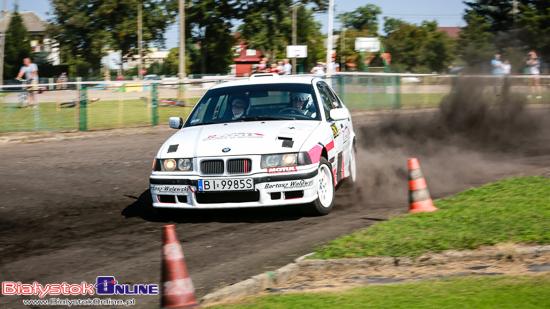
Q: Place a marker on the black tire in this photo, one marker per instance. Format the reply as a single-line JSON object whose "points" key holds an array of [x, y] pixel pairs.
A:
{"points": [[350, 181], [324, 202]]}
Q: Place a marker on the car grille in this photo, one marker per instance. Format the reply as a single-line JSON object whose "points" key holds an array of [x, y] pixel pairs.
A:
{"points": [[212, 167], [239, 166]]}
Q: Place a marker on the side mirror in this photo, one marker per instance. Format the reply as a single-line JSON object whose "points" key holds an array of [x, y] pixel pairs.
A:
{"points": [[339, 114], [176, 122]]}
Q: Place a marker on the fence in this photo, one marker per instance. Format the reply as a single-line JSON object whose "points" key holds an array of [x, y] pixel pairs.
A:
{"points": [[99, 105]]}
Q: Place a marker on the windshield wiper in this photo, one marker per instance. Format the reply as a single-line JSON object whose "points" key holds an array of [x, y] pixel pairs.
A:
{"points": [[267, 118]]}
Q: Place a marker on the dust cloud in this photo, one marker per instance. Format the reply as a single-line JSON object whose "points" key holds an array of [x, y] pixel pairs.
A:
{"points": [[469, 137]]}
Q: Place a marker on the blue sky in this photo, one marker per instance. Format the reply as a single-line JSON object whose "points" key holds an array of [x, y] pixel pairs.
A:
{"points": [[447, 12]]}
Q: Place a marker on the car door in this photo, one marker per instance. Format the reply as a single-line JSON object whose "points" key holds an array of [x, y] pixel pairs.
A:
{"points": [[336, 147]]}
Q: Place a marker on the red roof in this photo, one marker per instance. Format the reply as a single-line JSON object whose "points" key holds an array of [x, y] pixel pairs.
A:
{"points": [[451, 31], [243, 57]]}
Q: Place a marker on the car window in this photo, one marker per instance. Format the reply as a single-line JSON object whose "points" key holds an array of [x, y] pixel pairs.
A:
{"points": [[256, 102], [326, 98]]}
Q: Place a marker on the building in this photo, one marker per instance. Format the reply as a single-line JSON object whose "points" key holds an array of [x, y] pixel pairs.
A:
{"points": [[153, 55], [36, 28], [451, 31], [245, 58]]}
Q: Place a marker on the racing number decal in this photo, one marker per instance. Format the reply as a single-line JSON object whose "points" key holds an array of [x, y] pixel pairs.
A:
{"points": [[335, 131]]}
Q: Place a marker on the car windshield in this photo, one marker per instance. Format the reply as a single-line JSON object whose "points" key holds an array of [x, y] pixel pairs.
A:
{"points": [[256, 103]]}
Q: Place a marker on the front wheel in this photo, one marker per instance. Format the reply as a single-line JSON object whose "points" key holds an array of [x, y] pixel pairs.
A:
{"points": [[325, 192]]}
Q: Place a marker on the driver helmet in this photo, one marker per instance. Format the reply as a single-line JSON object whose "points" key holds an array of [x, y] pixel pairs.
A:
{"points": [[300, 97]]}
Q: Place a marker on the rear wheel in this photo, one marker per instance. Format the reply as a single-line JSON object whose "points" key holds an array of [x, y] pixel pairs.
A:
{"points": [[325, 191]]}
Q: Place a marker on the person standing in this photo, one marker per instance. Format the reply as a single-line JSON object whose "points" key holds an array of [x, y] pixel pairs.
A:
{"points": [[506, 68], [62, 80], [319, 69], [334, 66], [287, 67], [534, 69], [30, 70], [497, 71]]}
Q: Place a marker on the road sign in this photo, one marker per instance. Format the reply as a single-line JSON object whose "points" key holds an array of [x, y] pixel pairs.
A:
{"points": [[296, 51], [368, 45], [143, 71]]}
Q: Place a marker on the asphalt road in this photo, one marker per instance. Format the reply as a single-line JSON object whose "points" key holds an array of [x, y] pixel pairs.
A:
{"points": [[72, 210]]}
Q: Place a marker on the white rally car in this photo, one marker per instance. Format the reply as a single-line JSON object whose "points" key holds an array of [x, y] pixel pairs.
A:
{"points": [[265, 141]]}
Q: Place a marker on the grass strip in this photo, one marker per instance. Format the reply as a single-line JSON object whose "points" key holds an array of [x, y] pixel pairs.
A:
{"points": [[511, 210], [457, 292]]}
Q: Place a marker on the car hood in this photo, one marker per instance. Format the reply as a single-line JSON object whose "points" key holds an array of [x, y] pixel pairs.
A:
{"points": [[238, 138]]}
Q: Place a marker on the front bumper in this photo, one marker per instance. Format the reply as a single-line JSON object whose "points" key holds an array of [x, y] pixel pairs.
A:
{"points": [[269, 190]]}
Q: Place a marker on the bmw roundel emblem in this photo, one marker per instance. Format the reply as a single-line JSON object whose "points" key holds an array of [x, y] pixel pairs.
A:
{"points": [[226, 149]]}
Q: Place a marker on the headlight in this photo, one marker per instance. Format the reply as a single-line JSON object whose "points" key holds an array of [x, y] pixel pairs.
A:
{"points": [[168, 165], [185, 164], [270, 161]]}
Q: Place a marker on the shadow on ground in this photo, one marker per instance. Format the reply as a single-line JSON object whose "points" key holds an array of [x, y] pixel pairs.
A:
{"points": [[143, 208]]}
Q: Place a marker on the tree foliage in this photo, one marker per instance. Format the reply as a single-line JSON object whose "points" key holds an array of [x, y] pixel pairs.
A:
{"points": [[267, 26], [18, 46], [420, 48], [86, 29], [363, 18]]}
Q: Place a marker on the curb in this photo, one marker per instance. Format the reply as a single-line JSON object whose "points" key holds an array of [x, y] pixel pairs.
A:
{"points": [[260, 283]]}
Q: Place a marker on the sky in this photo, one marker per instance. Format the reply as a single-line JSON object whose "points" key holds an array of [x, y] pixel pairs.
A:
{"points": [[448, 13]]}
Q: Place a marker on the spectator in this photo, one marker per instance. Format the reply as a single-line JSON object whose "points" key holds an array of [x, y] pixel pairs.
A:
{"points": [[280, 67], [62, 81], [497, 71], [287, 67], [319, 69], [334, 66], [273, 68], [534, 64], [120, 78], [506, 67], [31, 74]]}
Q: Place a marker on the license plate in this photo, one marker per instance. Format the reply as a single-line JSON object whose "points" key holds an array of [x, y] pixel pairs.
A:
{"points": [[226, 184]]}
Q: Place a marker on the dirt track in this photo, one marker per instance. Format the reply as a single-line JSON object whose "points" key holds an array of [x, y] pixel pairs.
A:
{"points": [[73, 210]]}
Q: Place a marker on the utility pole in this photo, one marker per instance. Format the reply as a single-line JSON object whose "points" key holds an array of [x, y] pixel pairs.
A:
{"points": [[343, 45], [182, 39], [329, 39], [294, 8], [515, 10], [3, 45], [140, 34]]}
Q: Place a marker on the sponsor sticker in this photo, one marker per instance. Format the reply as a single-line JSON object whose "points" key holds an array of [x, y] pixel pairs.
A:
{"points": [[287, 169], [335, 131], [233, 136], [294, 184], [169, 189]]}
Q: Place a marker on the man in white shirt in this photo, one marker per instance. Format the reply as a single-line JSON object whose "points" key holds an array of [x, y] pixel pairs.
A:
{"points": [[334, 67], [287, 67], [319, 69], [31, 74]]}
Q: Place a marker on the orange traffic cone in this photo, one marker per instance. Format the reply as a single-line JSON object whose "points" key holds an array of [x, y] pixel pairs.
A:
{"points": [[419, 196], [177, 290]]}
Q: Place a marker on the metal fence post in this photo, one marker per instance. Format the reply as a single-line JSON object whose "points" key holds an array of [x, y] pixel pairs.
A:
{"points": [[341, 87], [83, 112], [397, 90], [154, 104]]}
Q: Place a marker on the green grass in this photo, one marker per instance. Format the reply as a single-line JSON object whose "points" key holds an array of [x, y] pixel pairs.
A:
{"points": [[463, 292], [512, 210], [101, 115]]}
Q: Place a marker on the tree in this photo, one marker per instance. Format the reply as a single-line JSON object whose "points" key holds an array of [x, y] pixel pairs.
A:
{"points": [[475, 41], [211, 21], [268, 27], [535, 26], [18, 45], [85, 29], [171, 63], [421, 49], [363, 18], [391, 24]]}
